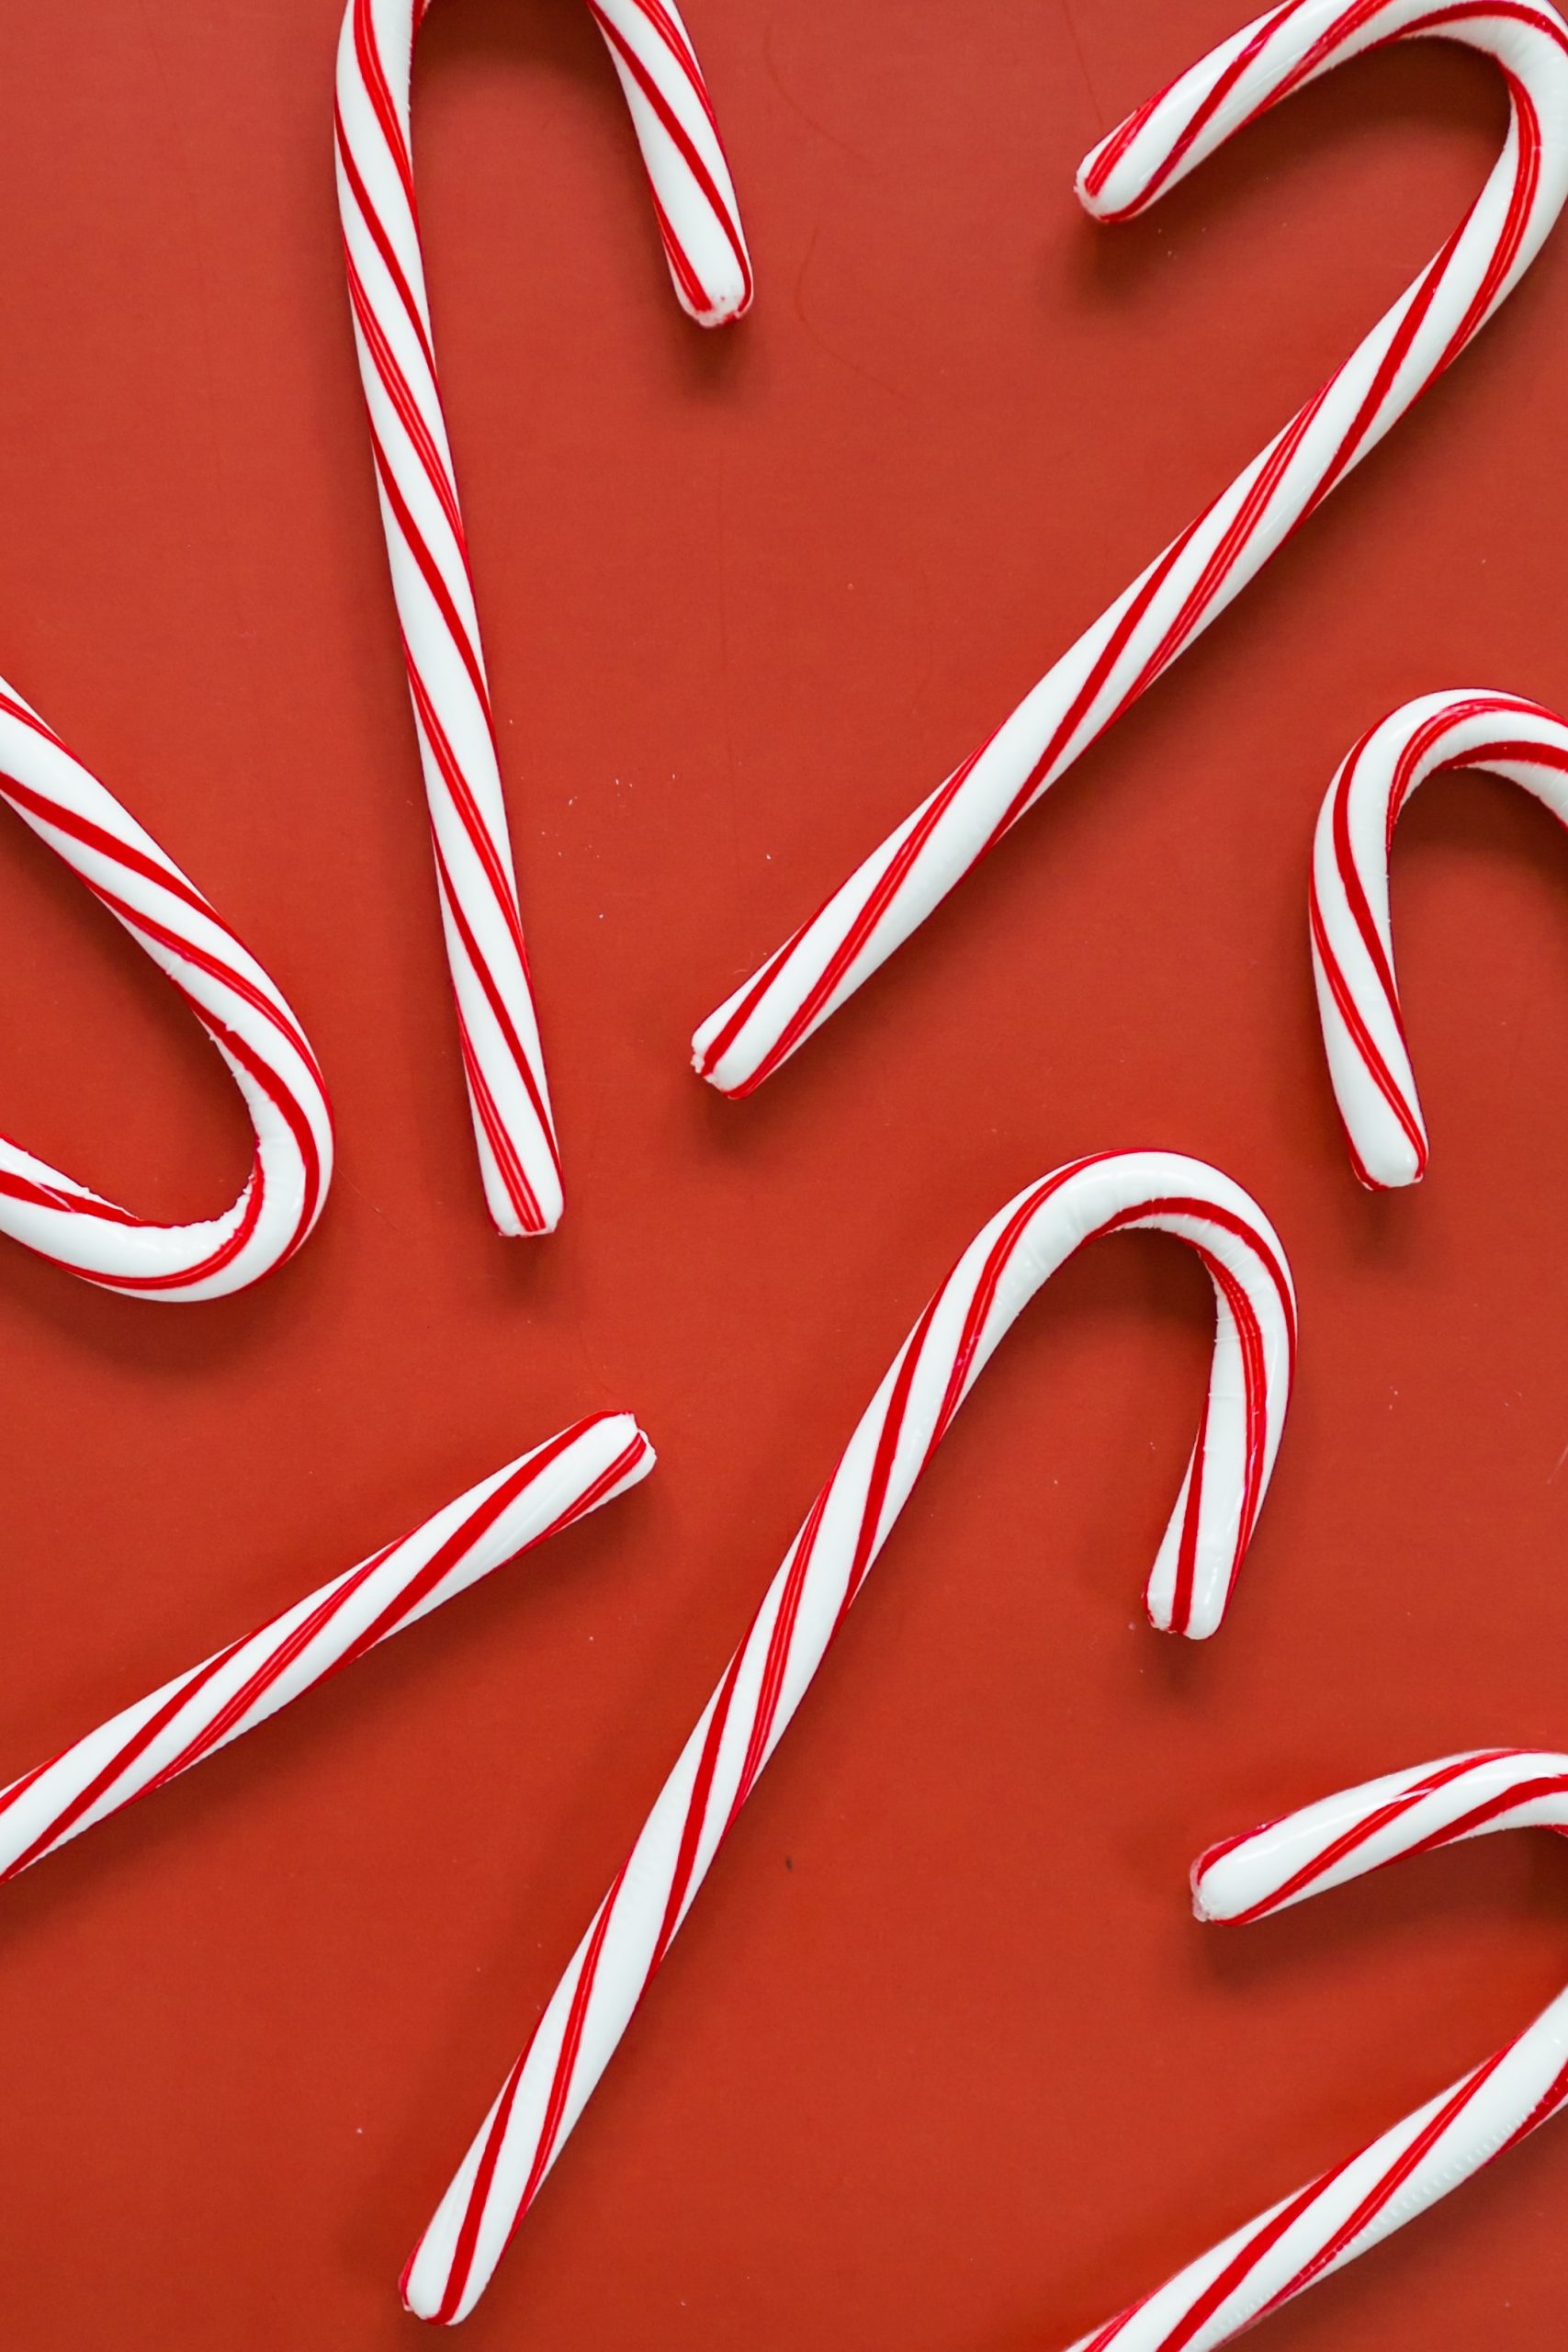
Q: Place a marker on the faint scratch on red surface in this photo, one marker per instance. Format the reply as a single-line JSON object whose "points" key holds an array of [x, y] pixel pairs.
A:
{"points": [[791, 101], [1100, 123]]}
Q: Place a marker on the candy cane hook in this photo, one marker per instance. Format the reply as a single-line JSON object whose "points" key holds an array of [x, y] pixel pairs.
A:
{"points": [[888, 896], [805, 1605], [1352, 944], [244, 1012], [1356, 2204], [148, 1744], [694, 203]]}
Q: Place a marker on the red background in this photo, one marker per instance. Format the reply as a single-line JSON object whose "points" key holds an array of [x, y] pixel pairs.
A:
{"points": [[942, 2064]]}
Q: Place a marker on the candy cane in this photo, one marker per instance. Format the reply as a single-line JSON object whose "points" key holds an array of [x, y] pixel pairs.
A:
{"points": [[824, 1569], [244, 1012], [1352, 946], [763, 1023], [693, 202], [1356, 2204], [162, 1735]]}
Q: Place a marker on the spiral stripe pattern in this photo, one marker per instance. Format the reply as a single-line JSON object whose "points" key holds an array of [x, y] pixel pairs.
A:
{"points": [[164, 1735], [1352, 944], [890, 894], [694, 205], [1355, 2204], [843, 1532], [241, 1009]]}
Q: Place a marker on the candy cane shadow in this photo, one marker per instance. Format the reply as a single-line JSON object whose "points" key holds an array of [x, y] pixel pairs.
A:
{"points": [[1268, 2140]]}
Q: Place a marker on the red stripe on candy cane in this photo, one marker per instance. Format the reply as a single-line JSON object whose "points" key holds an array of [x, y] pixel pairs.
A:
{"points": [[804, 1607], [699, 226], [1358, 2202], [765, 1020], [1352, 946], [239, 1005], [150, 1743]]}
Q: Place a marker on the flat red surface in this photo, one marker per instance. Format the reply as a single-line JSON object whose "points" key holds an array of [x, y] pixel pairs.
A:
{"points": [[942, 2064]]}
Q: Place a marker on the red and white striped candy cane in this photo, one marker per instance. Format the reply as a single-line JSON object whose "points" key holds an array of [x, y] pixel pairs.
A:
{"points": [[695, 205], [1356, 2204], [241, 1009], [1352, 946], [162, 1735], [805, 1605], [887, 898]]}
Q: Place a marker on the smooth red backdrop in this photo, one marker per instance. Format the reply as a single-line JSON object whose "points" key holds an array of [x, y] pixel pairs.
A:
{"points": [[941, 2062]]}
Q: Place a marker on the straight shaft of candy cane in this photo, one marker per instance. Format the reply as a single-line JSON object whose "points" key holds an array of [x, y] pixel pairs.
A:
{"points": [[1209, 1531], [240, 1006], [1355, 2205], [887, 898], [173, 1728], [695, 205]]}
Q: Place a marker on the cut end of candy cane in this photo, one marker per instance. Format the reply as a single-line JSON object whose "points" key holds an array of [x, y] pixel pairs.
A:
{"points": [[1193, 1627], [709, 1066], [441, 2281], [1393, 1168], [524, 1204], [742, 1042], [417, 2298], [515, 1227], [1111, 182], [724, 305], [1216, 1901]]}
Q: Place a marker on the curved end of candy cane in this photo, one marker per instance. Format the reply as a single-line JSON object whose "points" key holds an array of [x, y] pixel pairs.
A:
{"points": [[1216, 1512], [1352, 946], [1161, 141], [1294, 43], [249, 1020], [1358, 1830], [682, 153]]}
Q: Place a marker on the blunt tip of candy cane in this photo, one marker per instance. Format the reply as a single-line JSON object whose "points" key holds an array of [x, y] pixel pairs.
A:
{"points": [[527, 1217], [1385, 1158], [1199, 1620], [623, 1436], [1106, 193], [720, 298], [725, 308], [709, 1063], [647, 1457], [414, 2296], [1219, 1898]]}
